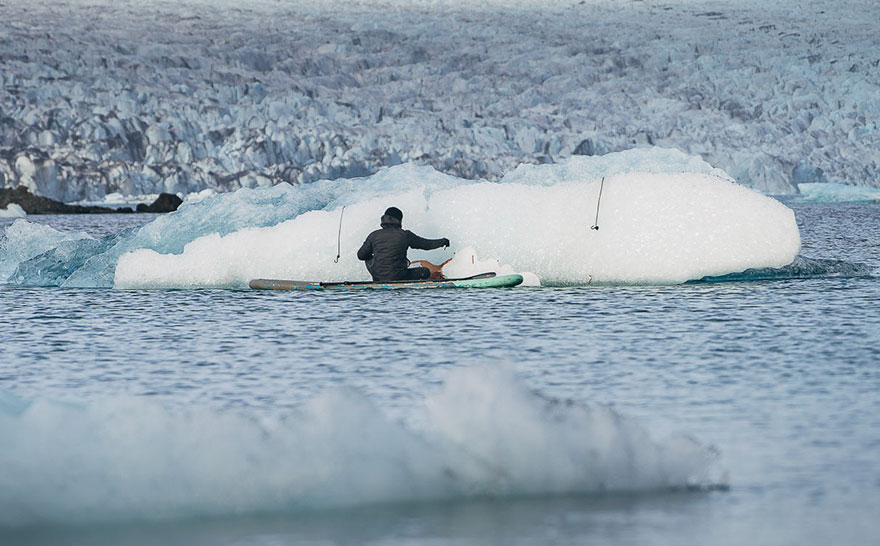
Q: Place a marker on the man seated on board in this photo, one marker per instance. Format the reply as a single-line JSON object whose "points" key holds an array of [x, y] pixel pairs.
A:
{"points": [[385, 250]]}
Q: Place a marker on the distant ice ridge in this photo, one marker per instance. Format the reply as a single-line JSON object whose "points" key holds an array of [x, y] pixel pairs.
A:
{"points": [[183, 96], [117, 200], [484, 433], [838, 193], [664, 227]]}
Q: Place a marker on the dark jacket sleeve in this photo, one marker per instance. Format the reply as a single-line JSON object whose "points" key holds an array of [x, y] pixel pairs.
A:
{"points": [[365, 252], [421, 243]]}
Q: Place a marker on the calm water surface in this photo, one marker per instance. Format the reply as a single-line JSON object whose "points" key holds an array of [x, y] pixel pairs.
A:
{"points": [[783, 377]]}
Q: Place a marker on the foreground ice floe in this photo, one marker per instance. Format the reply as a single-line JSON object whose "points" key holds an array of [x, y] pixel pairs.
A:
{"points": [[139, 98], [665, 226], [484, 433]]}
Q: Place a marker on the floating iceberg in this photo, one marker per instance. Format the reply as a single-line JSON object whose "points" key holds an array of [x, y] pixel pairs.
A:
{"points": [[660, 227], [654, 229]]}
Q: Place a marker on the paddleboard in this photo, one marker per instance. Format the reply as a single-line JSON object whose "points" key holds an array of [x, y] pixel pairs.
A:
{"points": [[484, 280]]}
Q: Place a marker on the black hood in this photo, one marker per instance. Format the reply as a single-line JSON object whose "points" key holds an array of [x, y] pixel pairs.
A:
{"points": [[388, 221]]}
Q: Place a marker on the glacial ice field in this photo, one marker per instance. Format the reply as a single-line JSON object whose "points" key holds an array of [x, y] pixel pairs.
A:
{"points": [[649, 216], [129, 98]]}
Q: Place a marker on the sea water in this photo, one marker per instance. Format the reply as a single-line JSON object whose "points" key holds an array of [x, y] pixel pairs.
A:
{"points": [[700, 413]]}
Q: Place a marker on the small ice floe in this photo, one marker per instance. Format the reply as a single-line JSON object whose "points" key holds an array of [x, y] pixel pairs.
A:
{"points": [[12, 211]]}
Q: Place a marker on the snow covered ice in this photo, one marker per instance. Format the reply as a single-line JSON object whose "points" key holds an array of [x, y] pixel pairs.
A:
{"points": [[131, 99]]}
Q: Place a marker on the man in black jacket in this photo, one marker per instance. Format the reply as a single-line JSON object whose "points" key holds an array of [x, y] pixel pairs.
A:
{"points": [[385, 250]]}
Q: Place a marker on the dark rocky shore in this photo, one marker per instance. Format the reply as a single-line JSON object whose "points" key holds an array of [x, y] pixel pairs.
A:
{"points": [[34, 204]]}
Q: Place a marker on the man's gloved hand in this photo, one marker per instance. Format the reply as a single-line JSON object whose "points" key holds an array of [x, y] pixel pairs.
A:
{"points": [[445, 242]]}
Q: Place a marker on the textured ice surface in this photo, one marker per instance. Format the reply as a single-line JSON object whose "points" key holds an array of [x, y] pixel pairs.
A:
{"points": [[135, 98], [23, 241], [484, 433]]}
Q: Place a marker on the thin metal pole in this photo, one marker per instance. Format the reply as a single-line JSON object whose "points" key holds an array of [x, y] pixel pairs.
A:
{"points": [[339, 237], [598, 201]]}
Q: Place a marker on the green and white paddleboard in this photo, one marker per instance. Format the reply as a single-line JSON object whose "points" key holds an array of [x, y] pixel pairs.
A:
{"points": [[484, 280]]}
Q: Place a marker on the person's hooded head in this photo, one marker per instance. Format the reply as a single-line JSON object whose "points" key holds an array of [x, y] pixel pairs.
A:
{"points": [[393, 217]]}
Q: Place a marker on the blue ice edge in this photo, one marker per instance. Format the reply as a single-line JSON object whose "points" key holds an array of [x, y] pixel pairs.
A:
{"points": [[800, 268]]}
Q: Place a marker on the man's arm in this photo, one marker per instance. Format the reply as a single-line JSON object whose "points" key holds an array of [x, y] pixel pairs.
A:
{"points": [[414, 241], [365, 252]]}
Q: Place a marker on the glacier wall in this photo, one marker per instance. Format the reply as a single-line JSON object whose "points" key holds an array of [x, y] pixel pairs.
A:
{"points": [[100, 97]]}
